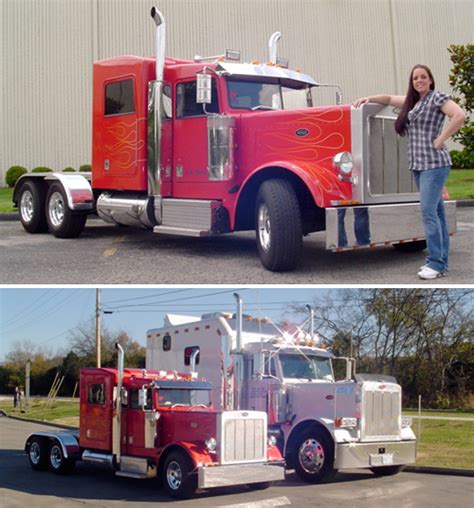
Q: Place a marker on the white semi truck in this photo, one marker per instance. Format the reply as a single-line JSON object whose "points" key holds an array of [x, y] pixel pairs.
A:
{"points": [[321, 425]]}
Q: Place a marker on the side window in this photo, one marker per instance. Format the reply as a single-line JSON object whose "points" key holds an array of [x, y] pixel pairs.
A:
{"points": [[133, 399], [269, 368], [188, 352], [119, 98], [167, 342], [96, 394], [186, 104], [167, 102]]}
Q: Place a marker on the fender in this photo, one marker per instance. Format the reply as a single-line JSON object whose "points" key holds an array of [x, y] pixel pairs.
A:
{"points": [[326, 424], [77, 188], [199, 454], [68, 442], [323, 184]]}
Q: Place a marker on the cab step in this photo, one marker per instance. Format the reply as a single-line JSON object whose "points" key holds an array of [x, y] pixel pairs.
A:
{"points": [[135, 467], [192, 217]]}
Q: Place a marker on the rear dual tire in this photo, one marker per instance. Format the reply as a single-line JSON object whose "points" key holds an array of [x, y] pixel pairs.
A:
{"points": [[62, 221]]}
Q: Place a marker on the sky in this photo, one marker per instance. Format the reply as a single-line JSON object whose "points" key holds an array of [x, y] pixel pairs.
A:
{"points": [[47, 316]]}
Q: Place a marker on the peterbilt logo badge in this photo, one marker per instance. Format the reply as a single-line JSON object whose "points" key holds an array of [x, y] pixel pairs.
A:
{"points": [[302, 132]]}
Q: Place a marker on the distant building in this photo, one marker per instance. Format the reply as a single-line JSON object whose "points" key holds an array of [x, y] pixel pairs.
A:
{"points": [[366, 46]]}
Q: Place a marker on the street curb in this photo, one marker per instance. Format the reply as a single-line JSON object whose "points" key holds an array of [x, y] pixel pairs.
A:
{"points": [[464, 203], [42, 422], [9, 216], [439, 470]]}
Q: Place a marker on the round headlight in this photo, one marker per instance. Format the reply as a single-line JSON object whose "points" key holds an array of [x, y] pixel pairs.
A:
{"points": [[272, 441], [343, 162], [211, 444]]}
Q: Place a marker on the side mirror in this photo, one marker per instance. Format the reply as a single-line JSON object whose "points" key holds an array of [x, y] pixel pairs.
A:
{"points": [[203, 88]]}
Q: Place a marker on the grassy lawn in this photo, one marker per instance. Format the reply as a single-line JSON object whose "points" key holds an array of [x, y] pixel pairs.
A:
{"points": [[445, 444], [65, 413], [6, 200], [460, 186]]}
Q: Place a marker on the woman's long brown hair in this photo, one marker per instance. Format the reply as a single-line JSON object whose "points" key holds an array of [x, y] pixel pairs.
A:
{"points": [[411, 99]]}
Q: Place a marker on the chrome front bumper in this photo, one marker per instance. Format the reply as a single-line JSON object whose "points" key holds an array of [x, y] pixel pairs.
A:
{"points": [[239, 474], [374, 225], [357, 455]]}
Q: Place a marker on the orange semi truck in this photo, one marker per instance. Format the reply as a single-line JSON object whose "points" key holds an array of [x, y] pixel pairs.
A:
{"points": [[212, 145]]}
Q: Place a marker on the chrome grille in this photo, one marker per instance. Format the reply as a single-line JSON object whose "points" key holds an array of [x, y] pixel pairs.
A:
{"points": [[388, 163], [243, 438], [381, 412]]}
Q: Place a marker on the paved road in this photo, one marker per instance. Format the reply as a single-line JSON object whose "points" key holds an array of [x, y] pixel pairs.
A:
{"points": [[106, 254], [93, 486]]}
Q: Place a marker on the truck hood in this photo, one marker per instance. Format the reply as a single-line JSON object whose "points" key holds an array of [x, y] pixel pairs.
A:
{"points": [[303, 141]]}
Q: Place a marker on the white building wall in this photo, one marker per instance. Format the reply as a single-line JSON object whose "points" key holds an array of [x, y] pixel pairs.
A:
{"points": [[48, 46]]}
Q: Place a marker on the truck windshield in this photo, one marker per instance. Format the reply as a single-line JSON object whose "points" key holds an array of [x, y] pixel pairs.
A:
{"points": [[252, 94], [306, 367], [182, 397]]}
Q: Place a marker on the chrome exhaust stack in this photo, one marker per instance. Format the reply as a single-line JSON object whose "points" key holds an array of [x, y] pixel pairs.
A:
{"points": [[117, 419], [273, 46], [239, 364], [155, 115]]}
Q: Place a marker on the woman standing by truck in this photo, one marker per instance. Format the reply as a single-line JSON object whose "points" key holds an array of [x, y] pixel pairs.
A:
{"points": [[423, 111]]}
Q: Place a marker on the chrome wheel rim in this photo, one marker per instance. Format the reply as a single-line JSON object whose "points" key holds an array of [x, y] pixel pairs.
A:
{"points": [[35, 453], [174, 475], [56, 209], [56, 457], [27, 206], [264, 227], [311, 456]]}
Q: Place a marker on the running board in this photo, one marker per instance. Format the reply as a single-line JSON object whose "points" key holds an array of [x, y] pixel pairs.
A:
{"points": [[136, 467], [192, 217], [168, 230]]}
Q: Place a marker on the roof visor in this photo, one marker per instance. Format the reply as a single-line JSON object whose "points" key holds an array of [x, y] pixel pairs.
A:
{"points": [[265, 71]]}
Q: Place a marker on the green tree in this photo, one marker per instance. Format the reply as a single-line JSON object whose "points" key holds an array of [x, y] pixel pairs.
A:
{"points": [[461, 79]]}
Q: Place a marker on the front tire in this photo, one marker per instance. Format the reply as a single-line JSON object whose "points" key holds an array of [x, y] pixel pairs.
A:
{"points": [[278, 225], [314, 457], [62, 221], [386, 470], [178, 480], [38, 454], [58, 463], [31, 201]]}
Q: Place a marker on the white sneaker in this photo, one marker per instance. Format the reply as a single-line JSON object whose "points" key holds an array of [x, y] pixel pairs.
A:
{"points": [[428, 273]]}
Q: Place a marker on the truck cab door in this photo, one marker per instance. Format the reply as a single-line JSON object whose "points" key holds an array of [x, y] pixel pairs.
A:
{"points": [[190, 147], [140, 424]]}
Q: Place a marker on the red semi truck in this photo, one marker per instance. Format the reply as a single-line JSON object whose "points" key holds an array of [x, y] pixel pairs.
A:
{"points": [[211, 146], [147, 424]]}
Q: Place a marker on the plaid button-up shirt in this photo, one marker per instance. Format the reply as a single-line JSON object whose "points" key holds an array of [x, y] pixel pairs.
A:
{"points": [[425, 124]]}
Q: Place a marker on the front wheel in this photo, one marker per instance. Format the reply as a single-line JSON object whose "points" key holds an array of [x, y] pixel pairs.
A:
{"points": [[386, 470], [314, 457], [62, 221], [278, 225], [58, 463], [178, 480]]}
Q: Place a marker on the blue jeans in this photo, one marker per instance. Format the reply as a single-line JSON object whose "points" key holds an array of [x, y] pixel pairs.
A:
{"points": [[430, 184]]}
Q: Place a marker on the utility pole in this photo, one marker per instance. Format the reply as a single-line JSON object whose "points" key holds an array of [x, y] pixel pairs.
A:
{"points": [[27, 384], [97, 326]]}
